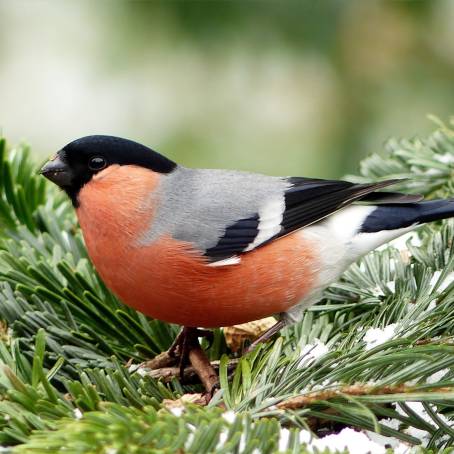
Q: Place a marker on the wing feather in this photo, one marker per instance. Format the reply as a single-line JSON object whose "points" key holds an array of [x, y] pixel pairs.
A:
{"points": [[305, 202]]}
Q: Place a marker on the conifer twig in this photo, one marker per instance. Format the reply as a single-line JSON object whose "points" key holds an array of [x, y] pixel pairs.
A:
{"points": [[168, 373], [353, 390], [163, 360]]}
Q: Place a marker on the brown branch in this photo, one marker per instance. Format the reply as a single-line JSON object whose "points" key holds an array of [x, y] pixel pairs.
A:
{"points": [[189, 348], [203, 368], [160, 361], [353, 390], [449, 340], [189, 373]]}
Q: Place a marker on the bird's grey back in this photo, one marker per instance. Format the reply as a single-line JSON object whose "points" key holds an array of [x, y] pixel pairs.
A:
{"points": [[196, 205]]}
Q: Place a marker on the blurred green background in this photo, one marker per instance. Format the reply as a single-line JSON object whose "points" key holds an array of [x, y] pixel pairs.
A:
{"points": [[282, 87]]}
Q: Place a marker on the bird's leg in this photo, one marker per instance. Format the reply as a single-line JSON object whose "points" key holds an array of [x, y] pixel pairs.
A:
{"points": [[189, 350], [202, 367], [267, 335], [187, 347], [172, 356], [177, 345]]}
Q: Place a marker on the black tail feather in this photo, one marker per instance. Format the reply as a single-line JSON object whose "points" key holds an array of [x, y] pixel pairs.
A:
{"points": [[392, 217]]}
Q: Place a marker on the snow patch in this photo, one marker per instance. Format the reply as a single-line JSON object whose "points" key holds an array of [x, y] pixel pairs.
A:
{"points": [[398, 446], [229, 416], [177, 411], [378, 291], [138, 369], [433, 172], [304, 437], [447, 281], [222, 439], [378, 336], [349, 439], [284, 437], [242, 444], [391, 423], [311, 352], [391, 285], [189, 439], [446, 158], [437, 376], [419, 409]]}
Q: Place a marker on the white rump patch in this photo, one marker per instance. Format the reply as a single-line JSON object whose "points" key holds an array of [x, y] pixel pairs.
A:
{"points": [[235, 260], [345, 223]]}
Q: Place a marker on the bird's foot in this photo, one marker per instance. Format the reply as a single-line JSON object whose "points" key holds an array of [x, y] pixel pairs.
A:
{"points": [[186, 350], [177, 347], [268, 334]]}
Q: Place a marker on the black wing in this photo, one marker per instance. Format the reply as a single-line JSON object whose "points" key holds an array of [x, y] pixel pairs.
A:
{"points": [[306, 202]]}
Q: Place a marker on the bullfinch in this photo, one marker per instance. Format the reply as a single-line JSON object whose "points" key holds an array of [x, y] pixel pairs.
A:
{"points": [[212, 248]]}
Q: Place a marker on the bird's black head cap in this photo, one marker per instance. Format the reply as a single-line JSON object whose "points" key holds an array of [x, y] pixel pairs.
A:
{"points": [[76, 163]]}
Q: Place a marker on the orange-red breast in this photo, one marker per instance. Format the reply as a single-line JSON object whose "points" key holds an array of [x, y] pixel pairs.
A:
{"points": [[213, 248]]}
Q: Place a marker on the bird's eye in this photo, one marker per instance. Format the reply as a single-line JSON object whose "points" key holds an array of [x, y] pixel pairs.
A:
{"points": [[97, 163]]}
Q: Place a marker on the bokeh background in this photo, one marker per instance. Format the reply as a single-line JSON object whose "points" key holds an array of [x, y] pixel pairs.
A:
{"points": [[288, 87]]}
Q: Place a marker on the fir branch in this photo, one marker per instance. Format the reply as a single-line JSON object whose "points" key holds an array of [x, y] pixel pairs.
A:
{"points": [[361, 390], [66, 343]]}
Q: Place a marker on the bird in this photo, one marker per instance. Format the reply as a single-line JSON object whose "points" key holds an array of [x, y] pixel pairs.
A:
{"points": [[207, 248]]}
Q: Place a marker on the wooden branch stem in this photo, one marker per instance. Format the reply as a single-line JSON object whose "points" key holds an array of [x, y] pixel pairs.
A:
{"points": [[354, 390], [203, 368], [190, 375]]}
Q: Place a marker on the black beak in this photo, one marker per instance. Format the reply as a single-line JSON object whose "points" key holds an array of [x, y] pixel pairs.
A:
{"points": [[57, 171]]}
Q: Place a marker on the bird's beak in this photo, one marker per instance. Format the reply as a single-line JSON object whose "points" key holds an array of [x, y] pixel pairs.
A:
{"points": [[57, 171]]}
